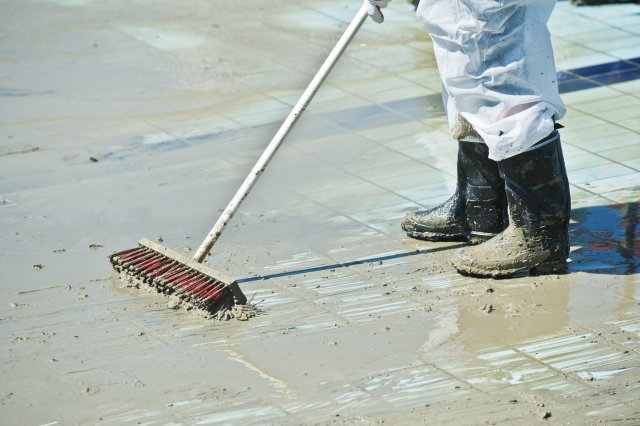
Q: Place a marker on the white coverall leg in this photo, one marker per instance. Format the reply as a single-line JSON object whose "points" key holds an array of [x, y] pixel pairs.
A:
{"points": [[497, 68]]}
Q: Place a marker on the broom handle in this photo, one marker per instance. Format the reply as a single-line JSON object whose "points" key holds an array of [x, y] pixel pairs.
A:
{"points": [[275, 143]]}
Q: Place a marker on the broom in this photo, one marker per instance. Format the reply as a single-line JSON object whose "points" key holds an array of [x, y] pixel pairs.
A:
{"points": [[196, 285]]}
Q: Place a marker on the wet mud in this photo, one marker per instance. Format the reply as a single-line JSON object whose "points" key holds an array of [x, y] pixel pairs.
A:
{"points": [[355, 323]]}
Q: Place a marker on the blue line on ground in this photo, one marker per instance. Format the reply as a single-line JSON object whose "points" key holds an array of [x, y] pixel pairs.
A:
{"points": [[411, 109], [599, 75]]}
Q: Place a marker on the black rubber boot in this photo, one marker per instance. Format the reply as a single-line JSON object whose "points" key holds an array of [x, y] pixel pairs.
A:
{"points": [[477, 210], [537, 238]]}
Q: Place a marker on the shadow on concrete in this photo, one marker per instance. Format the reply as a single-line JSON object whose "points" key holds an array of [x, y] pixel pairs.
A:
{"points": [[375, 259]]}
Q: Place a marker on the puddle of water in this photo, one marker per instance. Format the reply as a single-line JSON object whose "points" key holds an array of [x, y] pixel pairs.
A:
{"points": [[513, 314], [609, 238], [522, 309]]}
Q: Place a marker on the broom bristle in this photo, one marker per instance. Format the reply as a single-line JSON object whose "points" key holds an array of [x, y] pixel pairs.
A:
{"points": [[174, 275]]}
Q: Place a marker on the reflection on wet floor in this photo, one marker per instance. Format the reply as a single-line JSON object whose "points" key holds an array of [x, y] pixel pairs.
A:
{"points": [[608, 239]]}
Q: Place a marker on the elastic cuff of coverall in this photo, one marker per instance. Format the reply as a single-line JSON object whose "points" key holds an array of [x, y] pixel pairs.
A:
{"points": [[553, 136]]}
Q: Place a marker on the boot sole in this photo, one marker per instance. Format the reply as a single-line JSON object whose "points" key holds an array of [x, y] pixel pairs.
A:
{"points": [[544, 268], [434, 236], [473, 239]]}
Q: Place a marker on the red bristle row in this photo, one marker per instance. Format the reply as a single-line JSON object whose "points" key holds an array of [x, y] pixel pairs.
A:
{"points": [[169, 276]]}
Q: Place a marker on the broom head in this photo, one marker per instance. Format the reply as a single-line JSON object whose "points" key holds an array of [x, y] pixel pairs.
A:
{"points": [[196, 285]]}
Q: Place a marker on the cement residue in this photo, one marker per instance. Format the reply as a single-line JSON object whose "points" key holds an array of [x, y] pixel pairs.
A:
{"points": [[181, 302], [464, 131], [239, 312]]}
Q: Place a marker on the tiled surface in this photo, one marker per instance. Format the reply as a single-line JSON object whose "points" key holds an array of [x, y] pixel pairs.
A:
{"points": [[360, 323]]}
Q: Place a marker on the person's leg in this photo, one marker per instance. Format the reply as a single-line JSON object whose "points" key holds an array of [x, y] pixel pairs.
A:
{"points": [[536, 239], [496, 64], [475, 212]]}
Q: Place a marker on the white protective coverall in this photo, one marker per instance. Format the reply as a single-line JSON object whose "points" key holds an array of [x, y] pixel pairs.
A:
{"points": [[496, 63]]}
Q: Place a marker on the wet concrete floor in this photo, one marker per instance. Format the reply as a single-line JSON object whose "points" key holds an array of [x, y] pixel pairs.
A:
{"points": [[123, 120]]}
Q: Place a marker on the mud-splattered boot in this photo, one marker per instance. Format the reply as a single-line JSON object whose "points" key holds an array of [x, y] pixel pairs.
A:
{"points": [[477, 209], [536, 239]]}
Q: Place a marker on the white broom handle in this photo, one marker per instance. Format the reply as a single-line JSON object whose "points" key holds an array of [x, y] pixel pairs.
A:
{"points": [[275, 143]]}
